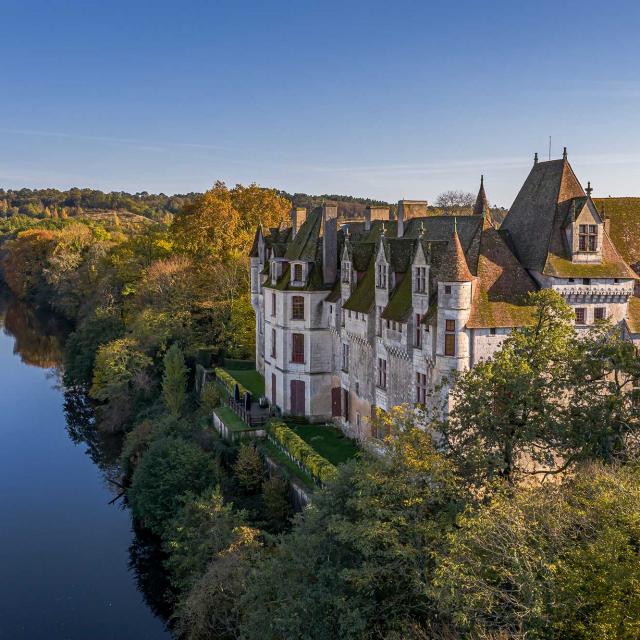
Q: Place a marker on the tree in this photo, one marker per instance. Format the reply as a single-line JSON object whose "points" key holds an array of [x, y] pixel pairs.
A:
{"points": [[174, 381], [170, 468], [508, 416], [603, 420], [248, 468], [358, 562], [455, 201], [203, 527], [548, 561], [277, 507]]}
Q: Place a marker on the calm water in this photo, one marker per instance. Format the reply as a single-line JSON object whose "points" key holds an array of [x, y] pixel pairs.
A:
{"points": [[70, 565]]}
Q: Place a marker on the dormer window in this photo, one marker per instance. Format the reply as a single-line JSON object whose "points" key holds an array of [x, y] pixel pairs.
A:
{"points": [[420, 280], [346, 272], [588, 237], [381, 276], [297, 272]]}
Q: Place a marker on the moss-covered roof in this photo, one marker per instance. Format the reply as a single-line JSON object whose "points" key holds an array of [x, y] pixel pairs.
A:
{"points": [[304, 245], [633, 315], [624, 220], [400, 302], [363, 297]]}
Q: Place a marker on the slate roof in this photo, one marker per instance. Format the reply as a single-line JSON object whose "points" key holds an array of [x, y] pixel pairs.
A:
{"points": [[363, 297], [624, 226], [502, 285], [481, 206], [454, 267], [304, 245], [633, 315], [534, 226]]}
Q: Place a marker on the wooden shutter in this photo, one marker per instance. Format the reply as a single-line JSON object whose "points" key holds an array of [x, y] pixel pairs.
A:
{"points": [[297, 397], [336, 402]]}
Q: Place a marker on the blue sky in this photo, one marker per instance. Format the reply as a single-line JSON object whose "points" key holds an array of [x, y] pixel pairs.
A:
{"points": [[381, 99]]}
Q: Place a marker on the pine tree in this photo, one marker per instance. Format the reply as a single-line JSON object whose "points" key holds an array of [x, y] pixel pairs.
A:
{"points": [[174, 382]]}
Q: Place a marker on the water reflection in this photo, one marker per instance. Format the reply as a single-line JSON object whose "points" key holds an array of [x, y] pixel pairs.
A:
{"points": [[38, 340]]}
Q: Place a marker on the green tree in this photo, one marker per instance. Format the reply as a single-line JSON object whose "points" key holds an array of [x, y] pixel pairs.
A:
{"points": [[170, 468], [508, 418], [358, 564], [203, 527], [548, 561], [174, 381], [248, 468], [277, 507]]}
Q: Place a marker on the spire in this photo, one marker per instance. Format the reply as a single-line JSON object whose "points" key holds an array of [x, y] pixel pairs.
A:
{"points": [[535, 158], [564, 154], [482, 204], [454, 267]]}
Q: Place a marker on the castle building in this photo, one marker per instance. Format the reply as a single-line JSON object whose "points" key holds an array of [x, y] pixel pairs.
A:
{"points": [[378, 313]]}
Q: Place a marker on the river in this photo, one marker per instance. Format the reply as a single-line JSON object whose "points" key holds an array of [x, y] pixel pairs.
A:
{"points": [[71, 565]]}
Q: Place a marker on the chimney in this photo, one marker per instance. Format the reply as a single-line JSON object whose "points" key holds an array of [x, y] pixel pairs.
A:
{"points": [[329, 232], [374, 212], [408, 209], [298, 216]]}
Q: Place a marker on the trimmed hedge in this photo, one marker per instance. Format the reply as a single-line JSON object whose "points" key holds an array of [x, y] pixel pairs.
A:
{"points": [[317, 466], [230, 382]]}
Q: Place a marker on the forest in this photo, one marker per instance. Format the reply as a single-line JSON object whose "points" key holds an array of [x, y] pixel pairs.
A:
{"points": [[519, 521]]}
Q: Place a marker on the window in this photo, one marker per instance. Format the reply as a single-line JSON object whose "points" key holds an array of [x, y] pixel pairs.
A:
{"points": [[421, 388], [600, 313], [379, 321], [571, 280], [297, 348], [588, 237], [581, 315], [492, 331], [381, 277], [346, 272], [358, 421], [382, 373], [273, 305], [273, 343], [418, 336], [297, 272], [420, 280], [586, 280], [616, 281], [447, 289], [357, 388], [297, 308], [345, 357], [450, 338]]}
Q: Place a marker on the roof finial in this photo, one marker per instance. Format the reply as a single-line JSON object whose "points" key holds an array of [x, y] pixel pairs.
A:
{"points": [[535, 158], [564, 154], [383, 230], [481, 180], [455, 225], [589, 189], [421, 229]]}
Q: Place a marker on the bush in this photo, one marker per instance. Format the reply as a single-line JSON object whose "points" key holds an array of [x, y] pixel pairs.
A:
{"points": [[135, 446], [319, 468], [230, 382], [209, 398], [170, 468]]}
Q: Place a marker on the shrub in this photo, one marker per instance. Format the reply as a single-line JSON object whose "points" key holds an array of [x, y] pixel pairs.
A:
{"points": [[248, 468], [277, 508], [135, 445], [209, 397], [174, 381], [230, 382], [170, 468], [319, 468]]}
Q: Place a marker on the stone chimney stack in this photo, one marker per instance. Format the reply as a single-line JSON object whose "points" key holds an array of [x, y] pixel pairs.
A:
{"points": [[298, 216], [408, 209], [329, 232], [374, 212]]}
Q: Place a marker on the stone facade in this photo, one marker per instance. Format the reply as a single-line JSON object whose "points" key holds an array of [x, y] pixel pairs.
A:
{"points": [[369, 315]]}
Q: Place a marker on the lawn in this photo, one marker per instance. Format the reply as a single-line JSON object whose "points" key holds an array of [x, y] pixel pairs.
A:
{"points": [[232, 420], [328, 441], [251, 379]]}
